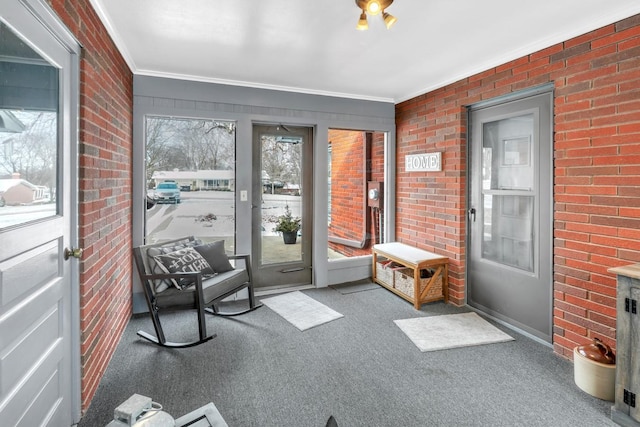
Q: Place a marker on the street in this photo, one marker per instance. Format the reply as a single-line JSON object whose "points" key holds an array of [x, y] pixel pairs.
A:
{"points": [[210, 215]]}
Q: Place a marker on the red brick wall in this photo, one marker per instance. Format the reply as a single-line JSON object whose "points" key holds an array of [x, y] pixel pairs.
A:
{"points": [[348, 187], [596, 175], [430, 211], [106, 116]]}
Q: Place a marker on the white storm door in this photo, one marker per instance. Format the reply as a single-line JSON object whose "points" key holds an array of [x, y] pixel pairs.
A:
{"points": [[38, 126]]}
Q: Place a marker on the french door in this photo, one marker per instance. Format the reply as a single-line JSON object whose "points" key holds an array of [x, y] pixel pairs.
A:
{"points": [[282, 183], [509, 274]]}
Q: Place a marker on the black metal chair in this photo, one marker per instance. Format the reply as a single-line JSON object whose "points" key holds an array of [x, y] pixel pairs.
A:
{"points": [[202, 294]]}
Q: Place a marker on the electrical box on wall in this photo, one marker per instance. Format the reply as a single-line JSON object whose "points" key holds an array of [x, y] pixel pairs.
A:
{"points": [[374, 194]]}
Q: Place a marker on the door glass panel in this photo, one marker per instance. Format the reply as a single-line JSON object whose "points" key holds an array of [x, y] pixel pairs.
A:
{"points": [[28, 133], [508, 230], [190, 177], [507, 189], [281, 213]]}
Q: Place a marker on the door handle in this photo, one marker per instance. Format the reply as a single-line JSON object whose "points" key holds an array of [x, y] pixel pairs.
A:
{"points": [[72, 252], [292, 270], [472, 212]]}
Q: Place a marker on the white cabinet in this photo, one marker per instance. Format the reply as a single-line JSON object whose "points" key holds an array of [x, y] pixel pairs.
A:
{"points": [[626, 410]]}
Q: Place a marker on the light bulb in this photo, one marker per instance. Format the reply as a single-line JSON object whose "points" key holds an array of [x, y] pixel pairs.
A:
{"points": [[389, 20], [373, 7], [362, 23]]}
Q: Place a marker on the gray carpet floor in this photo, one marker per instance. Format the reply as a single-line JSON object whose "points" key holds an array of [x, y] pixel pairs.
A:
{"points": [[262, 371]]}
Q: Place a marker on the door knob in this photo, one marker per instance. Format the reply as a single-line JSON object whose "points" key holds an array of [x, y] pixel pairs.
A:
{"points": [[72, 252], [472, 213]]}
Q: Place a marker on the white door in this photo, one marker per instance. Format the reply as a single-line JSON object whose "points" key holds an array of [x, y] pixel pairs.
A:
{"points": [[37, 128]]}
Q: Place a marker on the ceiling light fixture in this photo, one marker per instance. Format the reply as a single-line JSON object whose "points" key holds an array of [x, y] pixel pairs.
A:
{"points": [[389, 20], [374, 7], [362, 22]]}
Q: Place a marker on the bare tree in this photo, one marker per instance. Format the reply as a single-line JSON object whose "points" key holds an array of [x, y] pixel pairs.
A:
{"points": [[32, 153], [219, 146], [281, 160], [189, 144], [159, 134]]}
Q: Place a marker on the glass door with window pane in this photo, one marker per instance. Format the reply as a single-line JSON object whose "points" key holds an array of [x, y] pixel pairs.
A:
{"points": [[281, 217], [509, 259], [38, 91]]}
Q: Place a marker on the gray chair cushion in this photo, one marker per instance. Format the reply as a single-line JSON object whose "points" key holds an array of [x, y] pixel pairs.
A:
{"points": [[213, 288]]}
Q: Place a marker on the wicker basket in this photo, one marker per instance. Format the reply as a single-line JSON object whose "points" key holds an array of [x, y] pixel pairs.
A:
{"points": [[384, 274], [403, 282]]}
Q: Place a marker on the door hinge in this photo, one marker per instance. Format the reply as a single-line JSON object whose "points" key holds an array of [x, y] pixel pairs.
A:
{"points": [[631, 306], [629, 398]]}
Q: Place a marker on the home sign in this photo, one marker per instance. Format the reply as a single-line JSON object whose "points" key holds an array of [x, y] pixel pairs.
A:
{"points": [[429, 162]]}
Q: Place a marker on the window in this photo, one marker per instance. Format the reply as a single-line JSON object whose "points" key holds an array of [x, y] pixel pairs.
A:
{"points": [[190, 174]]}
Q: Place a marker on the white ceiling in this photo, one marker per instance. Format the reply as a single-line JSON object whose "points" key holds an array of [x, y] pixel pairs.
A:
{"points": [[313, 46]]}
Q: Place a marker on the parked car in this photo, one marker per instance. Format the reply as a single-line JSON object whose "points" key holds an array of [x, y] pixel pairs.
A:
{"points": [[167, 192]]}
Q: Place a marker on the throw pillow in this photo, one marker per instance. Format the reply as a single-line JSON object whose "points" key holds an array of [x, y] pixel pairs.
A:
{"points": [[154, 268], [183, 261], [215, 255], [162, 285]]}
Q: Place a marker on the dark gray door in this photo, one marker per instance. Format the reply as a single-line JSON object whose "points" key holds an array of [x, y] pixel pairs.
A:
{"points": [[282, 184], [509, 273]]}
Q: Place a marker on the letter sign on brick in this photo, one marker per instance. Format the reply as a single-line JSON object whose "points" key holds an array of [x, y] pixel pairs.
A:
{"points": [[429, 162]]}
